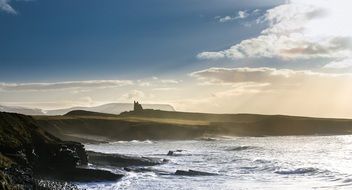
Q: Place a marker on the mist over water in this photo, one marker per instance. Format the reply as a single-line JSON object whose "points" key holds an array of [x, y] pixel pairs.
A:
{"points": [[304, 162]]}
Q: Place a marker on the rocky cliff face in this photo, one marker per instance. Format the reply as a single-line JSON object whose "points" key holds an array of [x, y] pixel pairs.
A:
{"points": [[28, 153]]}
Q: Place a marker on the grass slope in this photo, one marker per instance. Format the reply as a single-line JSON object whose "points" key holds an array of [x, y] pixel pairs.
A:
{"points": [[156, 124]]}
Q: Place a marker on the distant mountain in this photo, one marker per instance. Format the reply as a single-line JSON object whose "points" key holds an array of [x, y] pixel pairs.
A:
{"points": [[21, 110], [112, 108]]}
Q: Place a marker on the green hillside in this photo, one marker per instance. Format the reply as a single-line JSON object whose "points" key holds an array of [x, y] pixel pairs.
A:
{"points": [[163, 125]]}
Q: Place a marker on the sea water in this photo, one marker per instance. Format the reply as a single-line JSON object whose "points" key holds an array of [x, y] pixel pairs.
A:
{"points": [[291, 162]]}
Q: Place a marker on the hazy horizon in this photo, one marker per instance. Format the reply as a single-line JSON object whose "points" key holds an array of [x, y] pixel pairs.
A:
{"points": [[217, 56]]}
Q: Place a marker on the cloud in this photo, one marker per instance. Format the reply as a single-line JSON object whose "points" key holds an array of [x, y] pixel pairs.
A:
{"points": [[64, 85], [56, 104], [273, 91], [242, 89], [157, 82], [295, 32], [240, 15], [133, 95], [169, 81], [264, 75], [6, 7], [164, 89], [342, 64], [211, 55], [144, 83], [293, 46]]}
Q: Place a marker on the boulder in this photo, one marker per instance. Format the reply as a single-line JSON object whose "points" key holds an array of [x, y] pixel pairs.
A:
{"points": [[193, 173], [172, 152], [118, 160], [80, 175], [148, 169]]}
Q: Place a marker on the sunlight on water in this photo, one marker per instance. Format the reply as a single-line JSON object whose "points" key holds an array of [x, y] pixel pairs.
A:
{"points": [[240, 163]]}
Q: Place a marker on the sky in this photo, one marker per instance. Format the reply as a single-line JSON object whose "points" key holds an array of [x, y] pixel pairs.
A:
{"points": [[216, 56]]}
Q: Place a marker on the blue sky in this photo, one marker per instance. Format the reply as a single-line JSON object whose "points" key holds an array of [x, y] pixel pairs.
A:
{"points": [[54, 40], [223, 56]]}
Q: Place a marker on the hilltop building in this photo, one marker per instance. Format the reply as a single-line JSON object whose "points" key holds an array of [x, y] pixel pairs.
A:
{"points": [[137, 106]]}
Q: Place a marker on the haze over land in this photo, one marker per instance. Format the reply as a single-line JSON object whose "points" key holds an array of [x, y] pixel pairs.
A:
{"points": [[112, 108]]}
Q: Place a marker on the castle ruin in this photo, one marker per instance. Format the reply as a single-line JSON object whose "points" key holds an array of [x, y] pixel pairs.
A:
{"points": [[137, 106]]}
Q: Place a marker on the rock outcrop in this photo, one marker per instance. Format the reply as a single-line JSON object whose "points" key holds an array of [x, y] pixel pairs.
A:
{"points": [[174, 152], [193, 173], [119, 160], [28, 153]]}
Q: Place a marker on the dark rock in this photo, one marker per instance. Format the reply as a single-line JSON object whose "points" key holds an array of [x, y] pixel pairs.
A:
{"points": [[28, 153], [172, 152], [79, 151], [240, 148], [207, 139], [193, 173], [80, 175], [119, 160], [144, 169], [19, 177]]}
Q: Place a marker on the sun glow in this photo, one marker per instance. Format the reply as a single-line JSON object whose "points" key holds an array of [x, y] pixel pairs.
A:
{"points": [[332, 18]]}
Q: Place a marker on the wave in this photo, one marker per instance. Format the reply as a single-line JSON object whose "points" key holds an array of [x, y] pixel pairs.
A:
{"points": [[207, 139], [133, 141], [298, 171], [216, 138], [240, 148]]}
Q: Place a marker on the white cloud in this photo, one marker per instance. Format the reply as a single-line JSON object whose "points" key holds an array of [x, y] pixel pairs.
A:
{"points": [[264, 75], [164, 89], [169, 81], [133, 95], [211, 55], [64, 85], [342, 64], [297, 30], [225, 19], [6, 7], [144, 83], [240, 15], [242, 89]]}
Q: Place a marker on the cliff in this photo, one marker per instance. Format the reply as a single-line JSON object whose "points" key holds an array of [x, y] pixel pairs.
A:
{"points": [[28, 153]]}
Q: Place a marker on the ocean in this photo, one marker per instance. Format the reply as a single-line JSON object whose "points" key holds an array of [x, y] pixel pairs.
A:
{"points": [[287, 162]]}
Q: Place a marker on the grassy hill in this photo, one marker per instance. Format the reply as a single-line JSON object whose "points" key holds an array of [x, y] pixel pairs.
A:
{"points": [[159, 125]]}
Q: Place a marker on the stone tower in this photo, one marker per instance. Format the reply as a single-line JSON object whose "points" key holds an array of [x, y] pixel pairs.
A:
{"points": [[137, 106]]}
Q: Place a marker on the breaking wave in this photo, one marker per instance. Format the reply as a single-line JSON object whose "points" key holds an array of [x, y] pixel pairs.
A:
{"points": [[240, 148], [298, 171], [133, 141]]}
